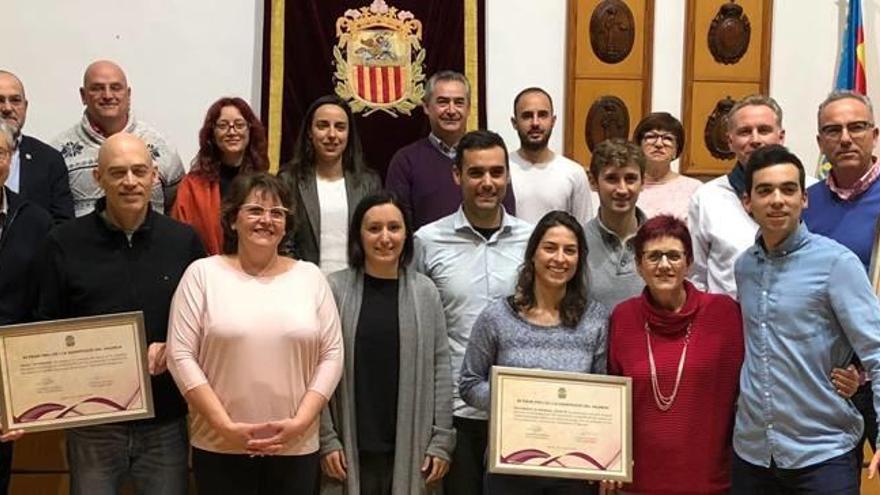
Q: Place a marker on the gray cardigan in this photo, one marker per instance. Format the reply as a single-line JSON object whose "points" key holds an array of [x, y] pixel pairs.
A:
{"points": [[424, 401]]}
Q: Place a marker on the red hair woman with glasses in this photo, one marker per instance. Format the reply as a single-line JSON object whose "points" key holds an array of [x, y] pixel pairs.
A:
{"points": [[231, 141]]}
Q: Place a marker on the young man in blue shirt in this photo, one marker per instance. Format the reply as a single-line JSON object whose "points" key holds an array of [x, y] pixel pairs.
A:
{"points": [[807, 305]]}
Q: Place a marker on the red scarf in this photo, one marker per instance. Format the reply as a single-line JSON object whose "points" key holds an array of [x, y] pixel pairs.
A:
{"points": [[665, 322]]}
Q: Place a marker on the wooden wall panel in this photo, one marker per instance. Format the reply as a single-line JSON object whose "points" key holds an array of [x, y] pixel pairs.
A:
{"points": [[707, 80], [590, 78], [587, 64], [705, 97], [706, 68], [586, 92]]}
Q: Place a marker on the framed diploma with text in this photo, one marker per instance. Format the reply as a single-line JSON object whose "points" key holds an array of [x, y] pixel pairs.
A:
{"points": [[560, 424], [77, 372]]}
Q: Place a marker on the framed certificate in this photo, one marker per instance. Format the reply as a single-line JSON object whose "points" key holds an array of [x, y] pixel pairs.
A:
{"points": [[76, 372], [560, 424]]}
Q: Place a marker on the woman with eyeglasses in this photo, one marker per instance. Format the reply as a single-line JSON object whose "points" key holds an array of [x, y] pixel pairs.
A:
{"points": [[683, 349], [231, 141], [328, 177], [548, 323], [388, 428], [661, 137], [256, 365]]}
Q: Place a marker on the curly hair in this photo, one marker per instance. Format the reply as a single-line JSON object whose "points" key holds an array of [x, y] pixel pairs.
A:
{"points": [[207, 160], [573, 304]]}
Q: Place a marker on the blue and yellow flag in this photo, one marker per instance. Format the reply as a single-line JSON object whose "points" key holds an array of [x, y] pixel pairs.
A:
{"points": [[851, 71]]}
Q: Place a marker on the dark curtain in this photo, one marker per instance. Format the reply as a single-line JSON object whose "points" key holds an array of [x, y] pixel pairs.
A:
{"points": [[309, 38]]}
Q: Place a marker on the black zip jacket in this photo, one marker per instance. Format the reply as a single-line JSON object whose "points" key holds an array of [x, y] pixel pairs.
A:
{"points": [[89, 267]]}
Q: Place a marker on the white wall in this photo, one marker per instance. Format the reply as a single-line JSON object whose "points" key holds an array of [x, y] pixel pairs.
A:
{"points": [[525, 46], [179, 56], [805, 48]]}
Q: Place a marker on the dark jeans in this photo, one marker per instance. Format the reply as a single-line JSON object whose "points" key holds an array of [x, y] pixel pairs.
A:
{"points": [[508, 484], [466, 472], [864, 402], [5, 466], [376, 472], [836, 476], [241, 474], [154, 456]]}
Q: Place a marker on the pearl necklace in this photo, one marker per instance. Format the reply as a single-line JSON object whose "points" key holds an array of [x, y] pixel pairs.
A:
{"points": [[664, 402]]}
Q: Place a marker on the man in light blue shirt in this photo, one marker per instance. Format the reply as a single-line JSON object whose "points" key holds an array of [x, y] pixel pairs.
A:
{"points": [[473, 256], [807, 305]]}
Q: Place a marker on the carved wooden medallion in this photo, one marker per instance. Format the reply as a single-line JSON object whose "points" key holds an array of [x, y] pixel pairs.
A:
{"points": [[612, 31], [715, 133], [607, 118], [729, 34]]}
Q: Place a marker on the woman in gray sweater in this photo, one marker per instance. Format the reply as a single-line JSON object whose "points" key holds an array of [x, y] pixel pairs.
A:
{"points": [[548, 323], [388, 428]]}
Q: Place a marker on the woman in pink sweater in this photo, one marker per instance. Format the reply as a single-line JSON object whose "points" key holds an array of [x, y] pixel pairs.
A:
{"points": [[254, 345]]}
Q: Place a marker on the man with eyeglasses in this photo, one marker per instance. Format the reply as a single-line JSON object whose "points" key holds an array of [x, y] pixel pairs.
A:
{"points": [[23, 229], [107, 98], [37, 171], [846, 206], [123, 256], [542, 180]]}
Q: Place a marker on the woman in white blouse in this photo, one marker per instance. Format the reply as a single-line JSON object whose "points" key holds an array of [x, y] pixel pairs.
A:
{"points": [[328, 178]]}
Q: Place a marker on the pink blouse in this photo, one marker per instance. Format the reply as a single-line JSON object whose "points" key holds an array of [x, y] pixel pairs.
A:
{"points": [[670, 197], [260, 342]]}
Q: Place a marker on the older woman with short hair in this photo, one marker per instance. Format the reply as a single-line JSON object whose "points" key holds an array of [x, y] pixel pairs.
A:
{"points": [[388, 428], [683, 348], [255, 347], [661, 137]]}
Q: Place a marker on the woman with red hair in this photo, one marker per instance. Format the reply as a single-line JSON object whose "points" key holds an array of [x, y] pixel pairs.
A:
{"points": [[232, 141], [683, 349]]}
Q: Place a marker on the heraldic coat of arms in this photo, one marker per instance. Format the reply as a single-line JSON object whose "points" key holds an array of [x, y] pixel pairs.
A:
{"points": [[379, 59]]}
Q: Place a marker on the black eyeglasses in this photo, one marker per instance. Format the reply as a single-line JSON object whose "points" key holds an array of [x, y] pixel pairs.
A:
{"points": [[854, 129]]}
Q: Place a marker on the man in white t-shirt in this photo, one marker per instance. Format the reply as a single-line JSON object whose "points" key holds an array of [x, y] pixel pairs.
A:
{"points": [[542, 180]]}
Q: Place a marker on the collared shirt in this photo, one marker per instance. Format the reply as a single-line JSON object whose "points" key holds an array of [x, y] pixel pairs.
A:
{"points": [[860, 186], [14, 178], [611, 266], [469, 272], [806, 306], [721, 230], [442, 147]]}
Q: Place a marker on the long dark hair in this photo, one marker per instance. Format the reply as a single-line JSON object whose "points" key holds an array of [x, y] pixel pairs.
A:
{"points": [[303, 162], [573, 304], [207, 160]]}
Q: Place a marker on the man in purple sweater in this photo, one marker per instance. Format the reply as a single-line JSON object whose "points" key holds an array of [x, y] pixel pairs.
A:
{"points": [[846, 206], [420, 174]]}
